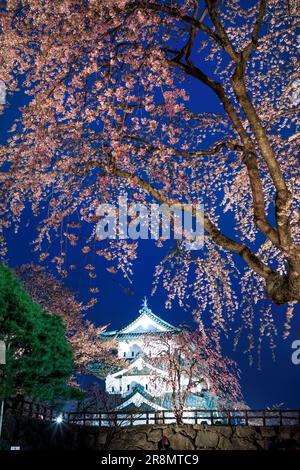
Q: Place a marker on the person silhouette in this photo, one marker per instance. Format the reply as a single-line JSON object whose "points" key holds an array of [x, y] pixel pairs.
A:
{"points": [[164, 444]]}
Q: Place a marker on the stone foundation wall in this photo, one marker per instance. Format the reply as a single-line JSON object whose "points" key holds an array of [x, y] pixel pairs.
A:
{"points": [[31, 434]]}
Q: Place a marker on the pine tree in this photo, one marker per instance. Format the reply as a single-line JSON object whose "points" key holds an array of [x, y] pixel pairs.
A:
{"points": [[39, 359]]}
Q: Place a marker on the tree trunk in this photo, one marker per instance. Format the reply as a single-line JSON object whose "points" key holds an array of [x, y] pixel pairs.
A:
{"points": [[284, 289], [178, 417]]}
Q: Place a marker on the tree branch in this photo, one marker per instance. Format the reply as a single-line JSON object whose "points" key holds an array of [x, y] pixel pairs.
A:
{"points": [[260, 218], [243, 251], [175, 13], [283, 199], [221, 32], [213, 150], [255, 33]]}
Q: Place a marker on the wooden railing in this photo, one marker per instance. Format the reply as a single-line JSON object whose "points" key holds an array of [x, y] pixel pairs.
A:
{"points": [[211, 417], [33, 410], [118, 418]]}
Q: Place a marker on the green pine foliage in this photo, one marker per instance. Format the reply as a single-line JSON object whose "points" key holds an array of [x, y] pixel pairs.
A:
{"points": [[39, 359]]}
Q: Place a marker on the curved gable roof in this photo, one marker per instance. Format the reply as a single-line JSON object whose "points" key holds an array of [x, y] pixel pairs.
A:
{"points": [[145, 311]]}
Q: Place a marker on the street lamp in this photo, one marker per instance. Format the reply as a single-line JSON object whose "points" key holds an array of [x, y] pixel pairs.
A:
{"points": [[59, 419], [2, 362], [2, 352]]}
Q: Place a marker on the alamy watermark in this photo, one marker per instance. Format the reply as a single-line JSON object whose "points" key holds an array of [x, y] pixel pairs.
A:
{"points": [[152, 221], [296, 354]]}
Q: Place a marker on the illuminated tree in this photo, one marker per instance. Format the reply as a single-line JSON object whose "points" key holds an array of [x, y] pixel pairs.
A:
{"points": [[113, 88], [187, 360], [98, 400], [56, 299]]}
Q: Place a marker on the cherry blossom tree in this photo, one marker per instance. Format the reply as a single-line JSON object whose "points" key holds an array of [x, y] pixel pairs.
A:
{"points": [[98, 400], [190, 361], [84, 337], [112, 89]]}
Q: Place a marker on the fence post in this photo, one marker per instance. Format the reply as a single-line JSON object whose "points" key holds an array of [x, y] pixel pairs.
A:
{"points": [[264, 417], [280, 418], [212, 417]]}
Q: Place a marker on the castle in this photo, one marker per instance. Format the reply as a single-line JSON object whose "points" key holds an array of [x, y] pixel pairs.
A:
{"points": [[133, 384]]}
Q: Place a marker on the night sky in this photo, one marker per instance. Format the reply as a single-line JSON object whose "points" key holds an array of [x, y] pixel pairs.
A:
{"points": [[119, 301]]}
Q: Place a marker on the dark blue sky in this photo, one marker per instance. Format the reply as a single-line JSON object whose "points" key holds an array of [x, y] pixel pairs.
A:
{"points": [[275, 383], [120, 301]]}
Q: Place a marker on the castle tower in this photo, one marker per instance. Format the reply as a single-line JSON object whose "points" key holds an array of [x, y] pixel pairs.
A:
{"points": [[134, 383]]}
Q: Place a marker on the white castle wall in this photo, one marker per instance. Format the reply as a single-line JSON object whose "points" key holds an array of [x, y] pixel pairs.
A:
{"points": [[136, 350]]}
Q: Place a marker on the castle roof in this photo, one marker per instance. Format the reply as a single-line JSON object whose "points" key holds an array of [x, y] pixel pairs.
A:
{"points": [[145, 323], [140, 400], [137, 371], [137, 367]]}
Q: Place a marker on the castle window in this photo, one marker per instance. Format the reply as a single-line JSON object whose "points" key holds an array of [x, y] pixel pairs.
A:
{"points": [[112, 388], [124, 354], [146, 386], [120, 388], [132, 353], [128, 387]]}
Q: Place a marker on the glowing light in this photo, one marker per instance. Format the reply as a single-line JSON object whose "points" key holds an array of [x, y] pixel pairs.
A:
{"points": [[59, 419]]}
